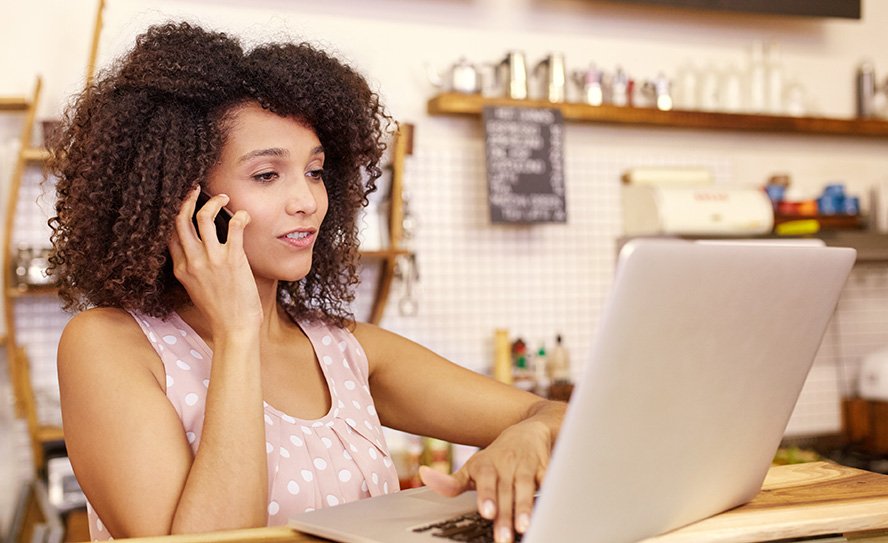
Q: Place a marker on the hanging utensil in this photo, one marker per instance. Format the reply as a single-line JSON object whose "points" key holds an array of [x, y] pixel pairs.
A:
{"points": [[407, 273]]}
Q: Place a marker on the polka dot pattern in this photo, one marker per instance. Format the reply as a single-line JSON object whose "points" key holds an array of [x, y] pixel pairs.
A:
{"points": [[338, 458]]}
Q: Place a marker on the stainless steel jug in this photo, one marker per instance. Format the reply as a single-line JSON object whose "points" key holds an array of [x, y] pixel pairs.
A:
{"points": [[463, 76], [555, 78], [513, 70]]}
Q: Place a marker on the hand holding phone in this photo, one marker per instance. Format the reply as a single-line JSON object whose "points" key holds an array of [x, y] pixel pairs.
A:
{"points": [[221, 220]]}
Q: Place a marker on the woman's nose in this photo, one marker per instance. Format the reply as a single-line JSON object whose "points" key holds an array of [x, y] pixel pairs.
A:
{"points": [[301, 198]]}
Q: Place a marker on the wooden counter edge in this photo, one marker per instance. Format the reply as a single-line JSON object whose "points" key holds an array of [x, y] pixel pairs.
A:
{"points": [[271, 534], [863, 519]]}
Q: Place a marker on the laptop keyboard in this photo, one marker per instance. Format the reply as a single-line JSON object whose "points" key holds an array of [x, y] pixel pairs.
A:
{"points": [[470, 527]]}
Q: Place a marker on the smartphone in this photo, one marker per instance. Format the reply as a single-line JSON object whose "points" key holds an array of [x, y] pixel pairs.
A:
{"points": [[221, 220]]}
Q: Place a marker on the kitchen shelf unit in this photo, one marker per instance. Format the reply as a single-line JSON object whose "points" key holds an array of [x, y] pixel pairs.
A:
{"points": [[17, 359], [19, 291], [451, 103], [35, 156], [872, 247], [14, 103], [402, 147]]}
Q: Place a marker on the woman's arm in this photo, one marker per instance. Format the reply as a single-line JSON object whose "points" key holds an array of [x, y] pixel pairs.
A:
{"points": [[419, 392], [127, 444], [125, 439]]}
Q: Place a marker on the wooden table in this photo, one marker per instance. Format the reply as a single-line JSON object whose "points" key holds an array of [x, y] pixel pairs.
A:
{"points": [[796, 501]]}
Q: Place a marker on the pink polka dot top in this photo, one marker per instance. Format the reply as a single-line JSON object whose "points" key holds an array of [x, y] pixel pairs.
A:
{"points": [[337, 458]]}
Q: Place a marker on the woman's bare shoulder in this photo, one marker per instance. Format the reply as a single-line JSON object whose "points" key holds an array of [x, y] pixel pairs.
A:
{"points": [[101, 324], [105, 335]]}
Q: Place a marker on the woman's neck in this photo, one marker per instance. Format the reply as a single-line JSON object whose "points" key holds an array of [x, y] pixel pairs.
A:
{"points": [[272, 315], [276, 323]]}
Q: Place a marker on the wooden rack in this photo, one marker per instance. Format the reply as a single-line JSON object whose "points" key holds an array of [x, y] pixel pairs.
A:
{"points": [[28, 157], [402, 147], [473, 105], [19, 366]]}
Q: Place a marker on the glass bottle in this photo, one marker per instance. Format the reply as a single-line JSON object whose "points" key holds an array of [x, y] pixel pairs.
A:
{"points": [[775, 85], [756, 100]]}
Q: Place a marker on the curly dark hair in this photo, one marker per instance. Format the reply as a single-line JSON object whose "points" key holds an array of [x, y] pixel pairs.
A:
{"points": [[138, 140]]}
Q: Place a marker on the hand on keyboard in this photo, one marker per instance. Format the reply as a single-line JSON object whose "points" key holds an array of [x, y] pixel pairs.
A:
{"points": [[505, 475]]}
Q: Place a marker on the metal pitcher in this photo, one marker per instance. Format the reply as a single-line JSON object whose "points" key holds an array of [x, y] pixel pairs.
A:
{"points": [[556, 78], [513, 69], [591, 85], [463, 76]]}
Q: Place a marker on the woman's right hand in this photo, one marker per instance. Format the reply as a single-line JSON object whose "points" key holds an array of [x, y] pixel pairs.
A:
{"points": [[217, 276]]}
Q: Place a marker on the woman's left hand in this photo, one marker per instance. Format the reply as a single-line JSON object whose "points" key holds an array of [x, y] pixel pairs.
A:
{"points": [[505, 474]]}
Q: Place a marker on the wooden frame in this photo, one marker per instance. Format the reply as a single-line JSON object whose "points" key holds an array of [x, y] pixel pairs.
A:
{"points": [[402, 147]]}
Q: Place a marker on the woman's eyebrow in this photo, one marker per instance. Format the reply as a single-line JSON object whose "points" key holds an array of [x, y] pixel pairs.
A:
{"points": [[272, 151], [319, 150]]}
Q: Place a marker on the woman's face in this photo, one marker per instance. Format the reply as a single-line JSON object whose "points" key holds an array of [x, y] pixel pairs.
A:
{"points": [[272, 167]]}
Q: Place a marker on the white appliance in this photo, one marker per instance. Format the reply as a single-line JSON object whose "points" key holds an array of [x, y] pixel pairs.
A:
{"points": [[700, 210], [873, 379]]}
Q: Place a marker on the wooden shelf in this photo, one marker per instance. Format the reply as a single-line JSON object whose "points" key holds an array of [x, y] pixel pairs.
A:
{"points": [[870, 246], [384, 253], [32, 290], [14, 103], [48, 434], [473, 105], [35, 155], [826, 222]]}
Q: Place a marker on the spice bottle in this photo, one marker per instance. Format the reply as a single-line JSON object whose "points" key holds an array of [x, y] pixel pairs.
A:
{"points": [[559, 362], [866, 89]]}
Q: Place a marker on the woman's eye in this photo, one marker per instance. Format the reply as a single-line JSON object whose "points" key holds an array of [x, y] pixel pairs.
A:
{"points": [[265, 177], [317, 174]]}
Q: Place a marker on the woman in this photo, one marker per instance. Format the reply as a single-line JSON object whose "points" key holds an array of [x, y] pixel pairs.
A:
{"points": [[212, 385]]}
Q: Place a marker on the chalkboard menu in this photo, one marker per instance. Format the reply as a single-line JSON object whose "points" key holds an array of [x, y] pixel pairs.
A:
{"points": [[525, 164]]}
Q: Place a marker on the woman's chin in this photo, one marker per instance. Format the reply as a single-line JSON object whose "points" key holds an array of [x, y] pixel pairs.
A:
{"points": [[292, 276]]}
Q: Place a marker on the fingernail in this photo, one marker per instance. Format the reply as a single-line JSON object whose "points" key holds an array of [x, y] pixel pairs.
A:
{"points": [[488, 509], [522, 522], [504, 534]]}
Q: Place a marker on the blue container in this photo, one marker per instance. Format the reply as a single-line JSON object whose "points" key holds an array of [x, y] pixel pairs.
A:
{"points": [[834, 190], [830, 205], [775, 193]]}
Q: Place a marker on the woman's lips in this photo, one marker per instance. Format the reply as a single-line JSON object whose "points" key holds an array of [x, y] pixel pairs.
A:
{"points": [[299, 239]]}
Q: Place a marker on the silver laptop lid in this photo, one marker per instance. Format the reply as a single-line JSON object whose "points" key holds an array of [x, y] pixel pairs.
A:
{"points": [[696, 367]]}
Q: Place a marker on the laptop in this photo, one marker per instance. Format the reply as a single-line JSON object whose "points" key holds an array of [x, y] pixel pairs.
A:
{"points": [[698, 361]]}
